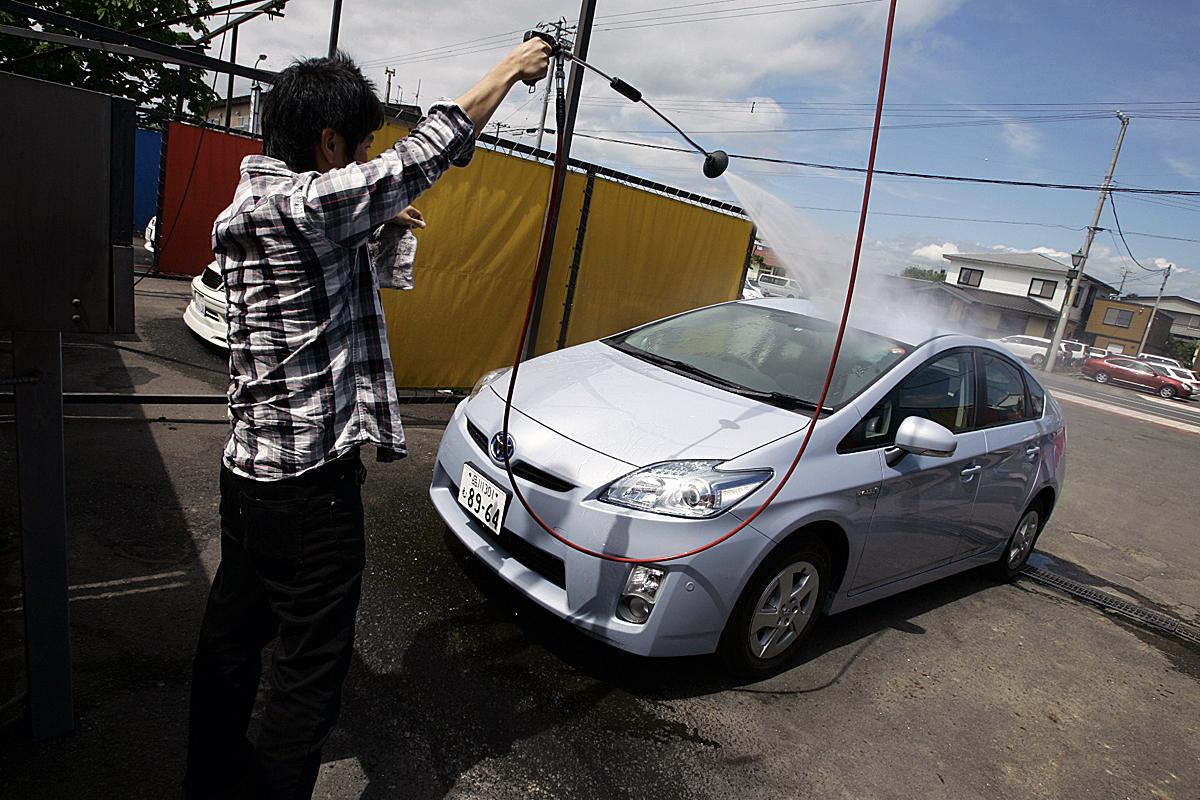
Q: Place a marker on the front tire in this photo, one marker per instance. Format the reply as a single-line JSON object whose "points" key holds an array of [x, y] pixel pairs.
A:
{"points": [[1016, 552], [777, 611], [1101, 377], [1038, 360], [1167, 392]]}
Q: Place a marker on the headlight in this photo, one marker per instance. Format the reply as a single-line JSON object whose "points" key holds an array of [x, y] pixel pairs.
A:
{"points": [[488, 379], [693, 489]]}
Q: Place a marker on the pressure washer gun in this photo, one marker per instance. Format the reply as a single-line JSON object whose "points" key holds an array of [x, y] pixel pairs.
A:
{"points": [[714, 162]]}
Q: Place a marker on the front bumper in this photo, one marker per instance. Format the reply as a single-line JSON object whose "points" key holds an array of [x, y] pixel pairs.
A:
{"points": [[697, 593], [205, 315]]}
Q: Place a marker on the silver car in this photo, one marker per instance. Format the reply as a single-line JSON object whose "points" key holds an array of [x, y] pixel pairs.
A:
{"points": [[932, 458]]}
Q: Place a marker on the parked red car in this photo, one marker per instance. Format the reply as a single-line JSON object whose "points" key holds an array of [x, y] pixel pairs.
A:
{"points": [[1135, 373]]}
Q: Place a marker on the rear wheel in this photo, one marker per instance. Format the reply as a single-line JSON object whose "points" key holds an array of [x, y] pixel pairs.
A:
{"points": [[1038, 359], [777, 611], [1101, 377], [1167, 392], [1020, 544]]}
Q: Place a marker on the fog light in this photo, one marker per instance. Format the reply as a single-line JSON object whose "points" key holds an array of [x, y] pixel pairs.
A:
{"points": [[641, 590]]}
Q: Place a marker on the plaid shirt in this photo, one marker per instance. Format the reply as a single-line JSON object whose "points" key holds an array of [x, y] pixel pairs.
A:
{"points": [[310, 371]]}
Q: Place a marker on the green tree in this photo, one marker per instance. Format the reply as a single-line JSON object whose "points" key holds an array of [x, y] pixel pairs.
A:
{"points": [[1181, 350], [153, 86], [921, 273]]}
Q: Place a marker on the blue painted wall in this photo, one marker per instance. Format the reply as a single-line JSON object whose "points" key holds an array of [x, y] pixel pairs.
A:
{"points": [[147, 149]]}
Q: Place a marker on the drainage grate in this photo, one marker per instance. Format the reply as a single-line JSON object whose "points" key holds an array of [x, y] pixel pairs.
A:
{"points": [[1162, 622]]}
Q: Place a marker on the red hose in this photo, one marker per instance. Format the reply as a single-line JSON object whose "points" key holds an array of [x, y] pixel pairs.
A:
{"points": [[543, 265]]}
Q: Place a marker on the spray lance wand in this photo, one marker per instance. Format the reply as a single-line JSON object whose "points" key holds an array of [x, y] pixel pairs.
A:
{"points": [[714, 162], [714, 165]]}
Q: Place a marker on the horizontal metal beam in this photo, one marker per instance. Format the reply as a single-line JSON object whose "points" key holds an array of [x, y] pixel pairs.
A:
{"points": [[138, 46]]}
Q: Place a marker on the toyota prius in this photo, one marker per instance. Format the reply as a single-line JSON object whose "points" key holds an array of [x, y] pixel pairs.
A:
{"points": [[929, 458]]}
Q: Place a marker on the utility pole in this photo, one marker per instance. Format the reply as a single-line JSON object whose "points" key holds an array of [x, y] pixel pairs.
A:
{"points": [[1154, 312], [1077, 268], [335, 24], [583, 38], [387, 95], [229, 84], [549, 85], [1125, 273]]}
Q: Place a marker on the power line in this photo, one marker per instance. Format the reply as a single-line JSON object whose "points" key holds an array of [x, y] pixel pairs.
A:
{"points": [[1117, 220], [902, 126], [465, 48], [922, 175]]}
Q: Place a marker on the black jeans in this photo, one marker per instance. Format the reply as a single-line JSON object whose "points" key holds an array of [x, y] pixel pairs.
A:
{"points": [[292, 556]]}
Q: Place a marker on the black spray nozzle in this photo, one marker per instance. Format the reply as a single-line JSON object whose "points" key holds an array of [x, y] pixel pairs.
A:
{"points": [[715, 163]]}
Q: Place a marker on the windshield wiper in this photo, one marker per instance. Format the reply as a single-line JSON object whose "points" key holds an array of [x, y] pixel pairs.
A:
{"points": [[781, 399]]}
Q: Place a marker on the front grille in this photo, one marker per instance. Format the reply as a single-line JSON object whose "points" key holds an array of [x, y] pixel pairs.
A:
{"points": [[211, 279], [521, 469], [527, 555], [478, 436], [541, 477]]}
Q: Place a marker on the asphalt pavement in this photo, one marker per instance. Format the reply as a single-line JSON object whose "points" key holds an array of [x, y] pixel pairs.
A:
{"points": [[965, 688]]}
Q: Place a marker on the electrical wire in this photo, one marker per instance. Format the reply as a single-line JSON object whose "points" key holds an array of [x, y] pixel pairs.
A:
{"points": [[543, 263], [1117, 220], [922, 175]]}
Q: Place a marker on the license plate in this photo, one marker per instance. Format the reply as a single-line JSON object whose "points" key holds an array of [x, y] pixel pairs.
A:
{"points": [[483, 499]]}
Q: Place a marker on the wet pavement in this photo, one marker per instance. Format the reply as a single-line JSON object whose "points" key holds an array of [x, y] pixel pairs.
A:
{"points": [[459, 688]]}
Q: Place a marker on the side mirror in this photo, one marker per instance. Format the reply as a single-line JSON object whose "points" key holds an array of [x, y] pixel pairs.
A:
{"points": [[921, 437]]}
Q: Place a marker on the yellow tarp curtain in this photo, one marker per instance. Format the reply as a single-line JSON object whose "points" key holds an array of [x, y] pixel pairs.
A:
{"points": [[645, 256]]}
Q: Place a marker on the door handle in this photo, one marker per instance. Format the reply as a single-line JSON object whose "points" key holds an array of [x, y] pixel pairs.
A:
{"points": [[969, 473], [1031, 453]]}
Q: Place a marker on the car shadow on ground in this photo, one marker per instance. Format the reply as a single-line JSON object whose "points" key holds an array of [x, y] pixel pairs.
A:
{"points": [[500, 677]]}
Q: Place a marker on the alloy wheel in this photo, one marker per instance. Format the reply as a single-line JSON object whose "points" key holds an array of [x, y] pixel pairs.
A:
{"points": [[1022, 539], [784, 609]]}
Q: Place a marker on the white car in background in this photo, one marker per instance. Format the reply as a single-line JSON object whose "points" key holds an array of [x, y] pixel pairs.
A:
{"points": [[1162, 361], [1027, 348], [778, 285], [205, 315], [750, 291]]}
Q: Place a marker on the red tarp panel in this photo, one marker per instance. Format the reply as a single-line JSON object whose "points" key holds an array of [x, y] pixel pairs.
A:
{"points": [[202, 173]]}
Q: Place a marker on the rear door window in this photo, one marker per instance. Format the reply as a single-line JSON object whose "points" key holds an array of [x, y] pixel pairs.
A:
{"points": [[1037, 398]]}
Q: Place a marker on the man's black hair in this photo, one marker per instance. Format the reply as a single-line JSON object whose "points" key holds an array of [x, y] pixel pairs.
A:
{"points": [[312, 95]]}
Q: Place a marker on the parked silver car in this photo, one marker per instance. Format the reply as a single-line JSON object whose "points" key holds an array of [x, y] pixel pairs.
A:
{"points": [[933, 458]]}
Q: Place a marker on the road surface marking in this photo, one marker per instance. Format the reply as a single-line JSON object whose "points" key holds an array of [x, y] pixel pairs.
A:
{"points": [[1125, 412]]}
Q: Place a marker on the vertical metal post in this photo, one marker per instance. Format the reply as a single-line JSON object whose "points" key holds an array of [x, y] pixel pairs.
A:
{"points": [[587, 15], [255, 106], [576, 259], [1154, 312], [1071, 288], [387, 94], [749, 257], [335, 24], [229, 83], [43, 498], [546, 96]]}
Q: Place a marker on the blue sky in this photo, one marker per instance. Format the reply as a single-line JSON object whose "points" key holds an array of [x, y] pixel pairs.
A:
{"points": [[953, 60]]}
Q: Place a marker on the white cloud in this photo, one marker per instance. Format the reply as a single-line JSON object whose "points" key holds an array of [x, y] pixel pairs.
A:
{"points": [[1021, 138], [934, 252], [1050, 252], [1183, 166]]}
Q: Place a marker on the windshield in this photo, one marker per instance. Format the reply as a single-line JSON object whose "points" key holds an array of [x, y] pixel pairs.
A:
{"points": [[764, 351]]}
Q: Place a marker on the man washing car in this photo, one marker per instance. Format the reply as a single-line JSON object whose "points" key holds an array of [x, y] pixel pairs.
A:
{"points": [[311, 381]]}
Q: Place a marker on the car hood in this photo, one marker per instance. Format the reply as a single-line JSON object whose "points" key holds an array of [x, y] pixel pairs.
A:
{"points": [[640, 413]]}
